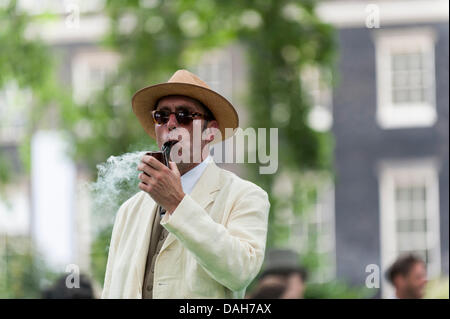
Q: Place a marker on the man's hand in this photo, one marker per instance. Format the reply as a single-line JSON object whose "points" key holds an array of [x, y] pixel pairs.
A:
{"points": [[160, 182]]}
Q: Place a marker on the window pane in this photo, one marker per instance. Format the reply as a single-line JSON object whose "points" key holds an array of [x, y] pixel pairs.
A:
{"points": [[402, 194], [419, 209], [419, 193], [399, 62], [415, 61], [403, 242], [402, 210], [403, 226], [412, 226], [400, 80], [415, 96], [408, 78], [419, 225], [415, 79]]}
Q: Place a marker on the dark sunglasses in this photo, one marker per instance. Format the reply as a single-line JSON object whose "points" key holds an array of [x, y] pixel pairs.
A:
{"points": [[183, 117]]}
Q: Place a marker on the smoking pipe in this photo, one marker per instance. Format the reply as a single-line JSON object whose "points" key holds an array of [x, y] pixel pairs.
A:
{"points": [[166, 150]]}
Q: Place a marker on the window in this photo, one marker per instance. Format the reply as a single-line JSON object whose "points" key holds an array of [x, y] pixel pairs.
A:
{"points": [[15, 209], [317, 83], [14, 102], [90, 71], [315, 232], [405, 78], [408, 77], [409, 214], [216, 69]]}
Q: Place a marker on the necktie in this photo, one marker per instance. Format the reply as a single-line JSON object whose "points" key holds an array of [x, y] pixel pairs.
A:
{"points": [[162, 211]]}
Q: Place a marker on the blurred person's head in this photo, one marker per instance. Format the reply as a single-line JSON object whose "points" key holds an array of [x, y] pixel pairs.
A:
{"points": [[269, 290], [59, 289], [293, 281], [409, 277], [282, 267]]}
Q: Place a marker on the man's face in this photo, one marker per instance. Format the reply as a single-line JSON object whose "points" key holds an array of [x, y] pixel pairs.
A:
{"points": [[172, 130], [295, 287], [413, 285]]}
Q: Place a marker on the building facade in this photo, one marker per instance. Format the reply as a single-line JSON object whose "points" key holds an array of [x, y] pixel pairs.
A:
{"points": [[390, 109]]}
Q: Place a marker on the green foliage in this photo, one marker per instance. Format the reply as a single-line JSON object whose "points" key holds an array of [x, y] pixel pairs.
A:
{"points": [[15, 61], [23, 272], [336, 290], [99, 254], [5, 171]]}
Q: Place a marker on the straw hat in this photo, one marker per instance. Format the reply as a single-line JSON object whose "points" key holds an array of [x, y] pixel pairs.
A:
{"points": [[188, 84]]}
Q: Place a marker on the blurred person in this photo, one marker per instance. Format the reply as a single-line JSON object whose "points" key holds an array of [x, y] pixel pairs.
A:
{"points": [[281, 270], [195, 230], [269, 290], [60, 290], [408, 275]]}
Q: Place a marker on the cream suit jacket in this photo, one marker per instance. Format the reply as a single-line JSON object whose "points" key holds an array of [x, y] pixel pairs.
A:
{"points": [[215, 247]]}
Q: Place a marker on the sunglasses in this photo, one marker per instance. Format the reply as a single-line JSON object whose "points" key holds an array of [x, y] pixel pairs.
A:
{"points": [[183, 117]]}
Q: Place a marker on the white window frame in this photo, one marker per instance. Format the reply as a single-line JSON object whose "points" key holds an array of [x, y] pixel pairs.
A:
{"points": [[392, 173], [390, 115], [322, 210], [326, 244]]}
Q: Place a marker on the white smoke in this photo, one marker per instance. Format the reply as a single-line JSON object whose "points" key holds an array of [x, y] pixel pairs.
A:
{"points": [[117, 181]]}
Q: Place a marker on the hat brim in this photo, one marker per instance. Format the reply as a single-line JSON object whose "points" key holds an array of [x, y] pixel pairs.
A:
{"points": [[144, 101]]}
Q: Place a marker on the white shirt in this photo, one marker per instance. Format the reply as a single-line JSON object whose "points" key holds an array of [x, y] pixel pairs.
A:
{"points": [[190, 178]]}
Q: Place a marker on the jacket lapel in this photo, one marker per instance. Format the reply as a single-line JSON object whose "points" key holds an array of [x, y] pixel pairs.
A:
{"points": [[203, 193], [148, 214]]}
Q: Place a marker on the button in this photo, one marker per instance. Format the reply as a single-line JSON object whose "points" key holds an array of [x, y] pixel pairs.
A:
{"points": [[149, 288]]}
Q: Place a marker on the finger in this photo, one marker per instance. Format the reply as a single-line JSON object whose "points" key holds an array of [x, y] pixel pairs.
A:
{"points": [[144, 167], [174, 168], [146, 179], [145, 187], [153, 162]]}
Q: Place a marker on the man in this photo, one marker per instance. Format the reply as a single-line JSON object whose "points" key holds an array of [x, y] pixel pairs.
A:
{"points": [[282, 278], [409, 277], [195, 230]]}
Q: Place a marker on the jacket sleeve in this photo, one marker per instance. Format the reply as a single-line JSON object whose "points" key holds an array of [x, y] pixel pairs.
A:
{"points": [[232, 254], [115, 239]]}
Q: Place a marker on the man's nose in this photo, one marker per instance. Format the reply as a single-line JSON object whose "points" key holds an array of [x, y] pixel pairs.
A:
{"points": [[172, 123]]}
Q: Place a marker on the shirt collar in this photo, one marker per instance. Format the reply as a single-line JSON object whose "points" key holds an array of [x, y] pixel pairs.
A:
{"points": [[190, 178]]}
